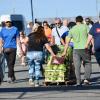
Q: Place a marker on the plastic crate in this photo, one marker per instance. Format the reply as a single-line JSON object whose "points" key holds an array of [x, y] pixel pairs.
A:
{"points": [[54, 76]]}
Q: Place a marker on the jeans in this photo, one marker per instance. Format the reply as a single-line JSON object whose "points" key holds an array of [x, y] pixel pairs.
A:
{"points": [[78, 56], [34, 59], [2, 67]]}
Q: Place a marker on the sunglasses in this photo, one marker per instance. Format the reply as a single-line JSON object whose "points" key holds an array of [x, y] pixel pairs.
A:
{"points": [[57, 23], [87, 20]]}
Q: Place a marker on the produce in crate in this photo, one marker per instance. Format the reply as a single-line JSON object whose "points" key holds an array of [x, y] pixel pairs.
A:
{"points": [[58, 70], [62, 67]]}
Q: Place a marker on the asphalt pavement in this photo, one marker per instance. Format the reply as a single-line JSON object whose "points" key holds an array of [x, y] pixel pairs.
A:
{"points": [[22, 90]]}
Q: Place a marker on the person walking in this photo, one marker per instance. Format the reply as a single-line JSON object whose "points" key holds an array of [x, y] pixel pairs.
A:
{"points": [[79, 34], [22, 55], [94, 35], [9, 35], [36, 40]]}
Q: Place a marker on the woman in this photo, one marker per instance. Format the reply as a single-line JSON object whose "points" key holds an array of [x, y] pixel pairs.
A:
{"points": [[36, 41], [22, 54]]}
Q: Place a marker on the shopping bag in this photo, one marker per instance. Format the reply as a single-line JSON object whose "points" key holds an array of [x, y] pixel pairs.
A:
{"points": [[58, 60]]}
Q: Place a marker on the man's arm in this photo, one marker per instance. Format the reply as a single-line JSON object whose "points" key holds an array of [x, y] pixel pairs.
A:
{"points": [[90, 38], [62, 41]]}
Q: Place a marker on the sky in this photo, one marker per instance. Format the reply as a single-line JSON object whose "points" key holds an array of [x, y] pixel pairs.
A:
{"points": [[50, 8]]}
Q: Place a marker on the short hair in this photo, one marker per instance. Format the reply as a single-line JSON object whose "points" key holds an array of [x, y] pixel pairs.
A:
{"points": [[87, 19], [58, 19], [45, 22], [71, 24], [79, 19]]}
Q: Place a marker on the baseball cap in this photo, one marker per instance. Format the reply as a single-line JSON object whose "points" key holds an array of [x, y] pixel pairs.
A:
{"points": [[5, 18]]}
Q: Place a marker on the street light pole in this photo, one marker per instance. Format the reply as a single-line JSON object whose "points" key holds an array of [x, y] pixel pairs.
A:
{"points": [[97, 8], [31, 2]]}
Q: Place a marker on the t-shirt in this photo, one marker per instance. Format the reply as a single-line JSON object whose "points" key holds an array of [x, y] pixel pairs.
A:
{"points": [[36, 46], [48, 32], [61, 30], [9, 36], [79, 34], [64, 35], [95, 32]]}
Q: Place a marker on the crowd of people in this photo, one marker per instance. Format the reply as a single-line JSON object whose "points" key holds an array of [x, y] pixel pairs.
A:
{"points": [[34, 48]]}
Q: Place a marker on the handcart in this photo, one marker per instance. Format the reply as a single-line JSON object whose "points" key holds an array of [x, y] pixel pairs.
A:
{"points": [[55, 72]]}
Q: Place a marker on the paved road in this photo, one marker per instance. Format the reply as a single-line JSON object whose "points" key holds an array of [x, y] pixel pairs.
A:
{"points": [[22, 90]]}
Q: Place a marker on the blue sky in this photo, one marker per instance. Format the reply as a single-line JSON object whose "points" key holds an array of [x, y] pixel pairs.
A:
{"points": [[49, 8]]}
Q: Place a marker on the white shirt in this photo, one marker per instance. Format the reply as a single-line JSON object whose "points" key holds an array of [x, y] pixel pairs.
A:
{"points": [[61, 30]]}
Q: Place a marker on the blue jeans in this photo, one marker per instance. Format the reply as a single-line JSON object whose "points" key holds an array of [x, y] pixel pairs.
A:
{"points": [[34, 59], [2, 66]]}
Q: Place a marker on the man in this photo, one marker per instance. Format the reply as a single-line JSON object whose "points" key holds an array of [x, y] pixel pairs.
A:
{"points": [[79, 34], [88, 22], [9, 35], [57, 32], [94, 35]]}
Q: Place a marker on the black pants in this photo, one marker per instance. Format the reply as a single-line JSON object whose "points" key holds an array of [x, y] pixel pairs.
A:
{"points": [[10, 58]]}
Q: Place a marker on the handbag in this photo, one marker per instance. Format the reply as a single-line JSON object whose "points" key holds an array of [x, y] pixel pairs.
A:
{"points": [[59, 60]]}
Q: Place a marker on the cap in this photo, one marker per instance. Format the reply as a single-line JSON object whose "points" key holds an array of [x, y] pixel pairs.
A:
{"points": [[5, 18]]}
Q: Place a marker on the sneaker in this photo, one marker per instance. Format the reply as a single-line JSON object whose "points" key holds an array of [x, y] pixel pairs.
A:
{"points": [[78, 85], [31, 82], [23, 64], [10, 80], [13, 78], [36, 83], [86, 82]]}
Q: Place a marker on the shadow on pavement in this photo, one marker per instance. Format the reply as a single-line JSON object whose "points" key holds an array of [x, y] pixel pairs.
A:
{"points": [[49, 88]]}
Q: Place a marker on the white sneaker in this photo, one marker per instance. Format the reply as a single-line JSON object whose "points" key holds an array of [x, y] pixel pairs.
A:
{"points": [[86, 82], [23, 64], [31, 82], [36, 83]]}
